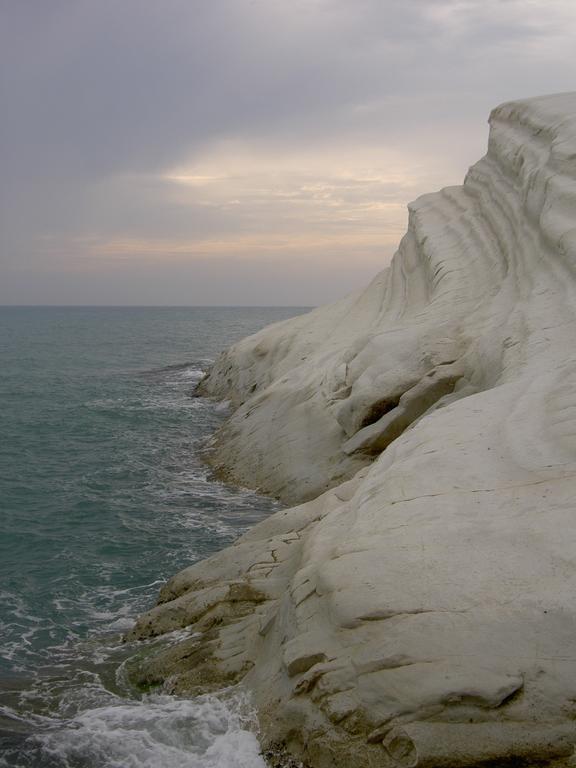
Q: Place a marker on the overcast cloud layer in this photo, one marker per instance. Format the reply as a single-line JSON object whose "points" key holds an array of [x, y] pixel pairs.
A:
{"points": [[244, 151]]}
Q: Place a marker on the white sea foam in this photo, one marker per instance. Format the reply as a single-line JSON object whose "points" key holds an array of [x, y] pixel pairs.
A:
{"points": [[193, 373], [204, 732], [121, 624]]}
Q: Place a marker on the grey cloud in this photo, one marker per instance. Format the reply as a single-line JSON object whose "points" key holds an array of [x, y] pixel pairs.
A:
{"points": [[91, 86], [94, 90]]}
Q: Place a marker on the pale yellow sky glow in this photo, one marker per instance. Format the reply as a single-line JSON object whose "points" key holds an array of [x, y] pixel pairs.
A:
{"points": [[333, 205], [328, 204], [91, 253]]}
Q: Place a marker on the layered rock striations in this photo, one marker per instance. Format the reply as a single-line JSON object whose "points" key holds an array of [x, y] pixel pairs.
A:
{"points": [[418, 607]]}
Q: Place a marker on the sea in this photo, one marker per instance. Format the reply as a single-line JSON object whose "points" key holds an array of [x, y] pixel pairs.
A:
{"points": [[103, 496]]}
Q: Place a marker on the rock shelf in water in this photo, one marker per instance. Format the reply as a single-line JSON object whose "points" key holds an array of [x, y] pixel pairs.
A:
{"points": [[418, 604]]}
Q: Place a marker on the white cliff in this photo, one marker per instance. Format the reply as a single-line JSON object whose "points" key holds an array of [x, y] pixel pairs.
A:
{"points": [[418, 607]]}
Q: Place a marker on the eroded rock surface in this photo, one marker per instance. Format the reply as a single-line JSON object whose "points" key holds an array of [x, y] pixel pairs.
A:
{"points": [[418, 606]]}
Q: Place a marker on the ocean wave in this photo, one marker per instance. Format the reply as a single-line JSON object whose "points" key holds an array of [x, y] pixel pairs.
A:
{"points": [[193, 373], [196, 366], [208, 731], [154, 403]]}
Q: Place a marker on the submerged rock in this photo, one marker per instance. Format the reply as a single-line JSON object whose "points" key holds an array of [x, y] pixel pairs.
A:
{"points": [[417, 607]]}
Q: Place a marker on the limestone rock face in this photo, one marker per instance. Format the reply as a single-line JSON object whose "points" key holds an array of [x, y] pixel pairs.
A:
{"points": [[419, 606]]}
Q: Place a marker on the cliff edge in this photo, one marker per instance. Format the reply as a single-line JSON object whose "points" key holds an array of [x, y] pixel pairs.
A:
{"points": [[418, 606]]}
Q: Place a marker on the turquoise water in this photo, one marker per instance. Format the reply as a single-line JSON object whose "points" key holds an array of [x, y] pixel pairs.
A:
{"points": [[103, 495]]}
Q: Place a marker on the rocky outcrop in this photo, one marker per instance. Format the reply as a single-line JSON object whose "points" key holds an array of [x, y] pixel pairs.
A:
{"points": [[417, 607]]}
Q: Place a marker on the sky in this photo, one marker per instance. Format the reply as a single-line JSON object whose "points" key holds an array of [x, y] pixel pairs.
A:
{"points": [[244, 152]]}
